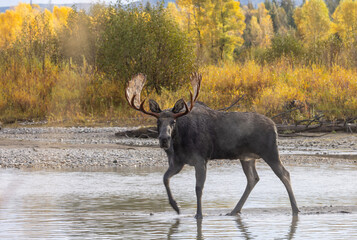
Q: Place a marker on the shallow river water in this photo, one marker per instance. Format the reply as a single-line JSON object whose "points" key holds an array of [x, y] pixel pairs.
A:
{"points": [[131, 203]]}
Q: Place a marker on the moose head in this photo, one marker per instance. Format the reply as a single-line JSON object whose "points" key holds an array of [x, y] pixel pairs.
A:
{"points": [[166, 119]]}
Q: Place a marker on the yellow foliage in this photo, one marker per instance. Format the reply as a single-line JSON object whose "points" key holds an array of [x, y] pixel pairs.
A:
{"points": [[272, 100], [345, 21], [73, 93], [67, 94], [269, 90], [60, 15], [10, 25], [215, 27], [313, 21], [31, 22], [266, 26]]}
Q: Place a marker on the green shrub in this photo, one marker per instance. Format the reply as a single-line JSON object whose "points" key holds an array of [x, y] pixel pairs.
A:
{"points": [[148, 41], [284, 46]]}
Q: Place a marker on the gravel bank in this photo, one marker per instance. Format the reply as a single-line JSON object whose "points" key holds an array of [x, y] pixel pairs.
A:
{"points": [[84, 147]]}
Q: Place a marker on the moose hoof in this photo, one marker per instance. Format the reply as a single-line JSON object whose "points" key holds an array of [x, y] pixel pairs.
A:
{"points": [[175, 207], [232, 214], [198, 216]]}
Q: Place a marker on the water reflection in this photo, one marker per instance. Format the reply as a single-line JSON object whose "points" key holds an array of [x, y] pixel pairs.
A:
{"points": [[293, 226], [244, 229], [177, 228], [199, 229], [173, 229]]}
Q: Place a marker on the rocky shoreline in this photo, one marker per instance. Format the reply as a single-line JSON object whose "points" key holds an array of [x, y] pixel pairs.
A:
{"points": [[86, 147]]}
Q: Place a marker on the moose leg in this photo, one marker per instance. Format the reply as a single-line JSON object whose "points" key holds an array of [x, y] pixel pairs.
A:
{"points": [[173, 169], [279, 170], [252, 179], [201, 169]]}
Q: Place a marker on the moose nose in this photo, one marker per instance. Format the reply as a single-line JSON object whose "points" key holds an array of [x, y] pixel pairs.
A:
{"points": [[164, 143]]}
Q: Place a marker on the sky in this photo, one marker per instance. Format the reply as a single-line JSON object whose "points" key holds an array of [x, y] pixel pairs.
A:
{"points": [[6, 3]]}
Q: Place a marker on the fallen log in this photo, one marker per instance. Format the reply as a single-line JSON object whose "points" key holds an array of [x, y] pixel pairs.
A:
{"points": [[151, 132], [144, 132], [328, 127]]}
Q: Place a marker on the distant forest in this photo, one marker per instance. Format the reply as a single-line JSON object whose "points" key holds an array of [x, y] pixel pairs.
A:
{"points": [[67, 64]]}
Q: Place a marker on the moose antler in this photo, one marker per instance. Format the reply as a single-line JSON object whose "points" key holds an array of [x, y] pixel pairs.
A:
{"points": [[196, 79], [136, 84], [133, 91]]}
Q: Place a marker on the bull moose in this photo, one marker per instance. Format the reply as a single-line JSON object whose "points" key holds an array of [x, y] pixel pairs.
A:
{"points": [[192, 133]]}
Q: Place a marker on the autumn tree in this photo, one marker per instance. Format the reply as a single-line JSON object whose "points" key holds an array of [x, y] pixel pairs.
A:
{"points": [[312, 21], [216, 27], [332, 5], [32, 32], [288, 6], [255, 31], [281, 21], [345, 28], [266, 26], [278, 17], [60, 16], [10, 25], [249, 12], [16, 21], [345, 21], [261, 27], [192, 17], [76, 39], [227, 31]]}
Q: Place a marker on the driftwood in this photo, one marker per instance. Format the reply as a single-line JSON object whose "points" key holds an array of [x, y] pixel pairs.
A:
{"points": [[150, 132], [144, 132], [317, 124], [287, 111], [313, 125], [327, 127]]}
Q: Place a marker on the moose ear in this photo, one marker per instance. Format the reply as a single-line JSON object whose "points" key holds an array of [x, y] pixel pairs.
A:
{"points": [[179, 105], [154, 106]]}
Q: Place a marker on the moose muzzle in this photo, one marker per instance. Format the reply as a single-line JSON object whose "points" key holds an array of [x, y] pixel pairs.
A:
{"points": [[165, 142]]}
